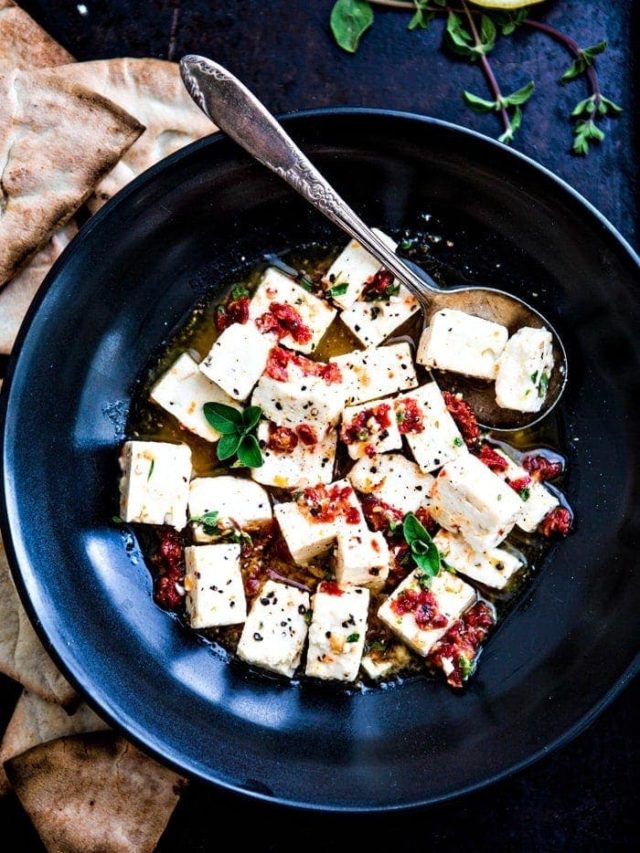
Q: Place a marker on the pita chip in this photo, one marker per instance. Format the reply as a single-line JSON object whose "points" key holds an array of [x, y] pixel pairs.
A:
{"points": [[16, 297], [24, 44], [22, 655], [35, 721], [57, 141], [94, 792], [152, 91]]}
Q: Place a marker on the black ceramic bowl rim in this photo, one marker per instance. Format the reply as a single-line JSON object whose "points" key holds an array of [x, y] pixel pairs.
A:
{"points": [[138, 737]]}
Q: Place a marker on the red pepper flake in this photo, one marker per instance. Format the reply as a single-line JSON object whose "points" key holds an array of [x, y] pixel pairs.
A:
{"points": [[460, 645], [235, 311], [280, 359], [380, 515], [424, 607], [380, 287], [559, 521], [307, 435], [330, 588], [282, 439], [409, 416], [464, 417], [366, 424], [325, 505], [520, 484], [170, 562], [282, 320], [492, 459], [541, 468]]}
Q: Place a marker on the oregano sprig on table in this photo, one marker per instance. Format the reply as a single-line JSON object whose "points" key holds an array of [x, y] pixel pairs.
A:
{"points": [[471, 34]]}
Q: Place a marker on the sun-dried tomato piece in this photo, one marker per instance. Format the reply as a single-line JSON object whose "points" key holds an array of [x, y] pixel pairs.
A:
{"points": [[380, 287], [541, 468], [282, 439], [307, 435], [366, 424], [456, 652], [282, 320], [235, 311], [170, 562], [492, 459], [423, 605], [464, 416], [558, 521], [409, 416]]}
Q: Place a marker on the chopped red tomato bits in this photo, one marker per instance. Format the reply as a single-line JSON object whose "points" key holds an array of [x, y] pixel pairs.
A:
{"points": [[282, 320], [409, 416], [542, 468], [557, 521], [424, 607], [463, 415], [330, 588], [285, 440], [456, 652], [366, 424], [280, 359], [492, 459], [380, 515], [170, 562], [380, 286], [235, 311], [307, 435], [327, 503], [520, 484]]}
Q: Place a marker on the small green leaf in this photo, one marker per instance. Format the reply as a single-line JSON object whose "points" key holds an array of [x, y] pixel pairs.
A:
{"points": [[583, 61], [480, 105], [488, 34], [525, 493], [251, 416], [520, 96], [421, 17], [586, 106], [412, 529], [249, 453], [151, 467], [116, 519], [424, 551], [349, 20], [458, 39], [239, 291], [228, 446], [353, 638], [305, 281], [544, 379], [508, 22], [457, 441], [609, 107], [465, 666], [590, 53], [534, 377], [224, 419], [209, 522], [338, 290]]}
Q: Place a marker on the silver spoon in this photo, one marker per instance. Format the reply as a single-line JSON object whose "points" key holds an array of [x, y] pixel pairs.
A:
{"points": [[236, 111]]}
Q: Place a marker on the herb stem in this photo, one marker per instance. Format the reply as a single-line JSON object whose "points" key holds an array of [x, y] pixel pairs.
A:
{"points": [[573, 47], [488, 71]]}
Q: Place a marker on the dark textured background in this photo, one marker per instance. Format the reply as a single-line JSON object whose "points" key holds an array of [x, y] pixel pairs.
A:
{"points": [[586, 796]]}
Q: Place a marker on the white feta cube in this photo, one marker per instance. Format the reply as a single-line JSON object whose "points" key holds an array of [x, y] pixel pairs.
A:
{"points": [[362, 558], [381, 666], [154, 487], [337, 632], [462, 343], [393, 479], [239, 503], [469, 499], [279, 289], [537, 500], [214, 592], [439, 441], [373, 373], [354, 266], [276, 628], [524, 370], [492, 568], [237, 359], [307, 537], [373, 322], [450, 597], [300, 399], [304, 465], [183, 390], [370, 428]]}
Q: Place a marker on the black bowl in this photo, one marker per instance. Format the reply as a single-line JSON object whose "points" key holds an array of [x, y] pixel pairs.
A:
{"points": [[132, 276]]}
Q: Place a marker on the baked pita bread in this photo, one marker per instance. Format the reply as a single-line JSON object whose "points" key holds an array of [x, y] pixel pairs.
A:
{"points": [[152, 91], [22, 655], [24, 44], [35, 721], [16, 297], [57, 141], [94, 792]]}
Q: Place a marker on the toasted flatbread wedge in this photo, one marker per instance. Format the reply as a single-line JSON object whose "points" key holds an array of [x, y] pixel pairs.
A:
{"points": [[24, 44], [35, 721], [152, 91], [17, 295], [57, 141], [22, 655], [94, 792]]}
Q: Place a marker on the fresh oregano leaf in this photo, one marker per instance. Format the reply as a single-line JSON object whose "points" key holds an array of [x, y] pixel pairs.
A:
{"points": [[249, 453], [228, 446], [349, 20], [520, 96], [479, 105], [224, 419], [250, 417]]}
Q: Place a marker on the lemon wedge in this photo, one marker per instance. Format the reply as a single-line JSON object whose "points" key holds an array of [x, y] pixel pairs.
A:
{"points": [[505, 4]]}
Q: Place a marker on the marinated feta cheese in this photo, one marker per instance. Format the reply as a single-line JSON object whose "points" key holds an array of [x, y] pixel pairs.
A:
{"points": [[462, 343], [300, 397], [492, 568], [362, 558], [238, 503], [296, 317], [214, 592], [431, 432], [524, 370], [373, 319], [353, 267], [469, 499], [276, 628], [537, 500], [154, 487], [337, 632], [370, 428], [420, 615], [310, 524], [378, 666], [292, 458], [237, 359], [394, 480], [372, 373], [183, 390]]}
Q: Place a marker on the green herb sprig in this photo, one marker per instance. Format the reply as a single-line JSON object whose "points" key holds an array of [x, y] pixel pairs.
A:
{"points": [[424, 551], [337, 289], [237, 433], [211, 526]]}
